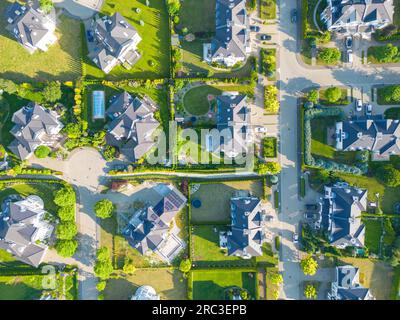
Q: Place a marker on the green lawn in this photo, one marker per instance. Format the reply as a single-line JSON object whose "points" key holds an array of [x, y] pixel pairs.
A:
{"points": [[217, 209], [20, 287], [373, 54], [373, 232], [198, 16], [60, 62], [267, 9], [154, 46], [211, 284], [196, 100], [169, 284], [392, 113]]}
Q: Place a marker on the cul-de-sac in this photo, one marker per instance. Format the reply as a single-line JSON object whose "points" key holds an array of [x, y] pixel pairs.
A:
{"points": [[199, 150]]}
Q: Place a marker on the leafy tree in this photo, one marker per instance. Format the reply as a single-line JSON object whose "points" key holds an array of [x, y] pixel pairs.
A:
{"points": [[388, 175], [329, 55], [8, 86], [52, 91], [271, 102], [333, 94], [310, 292], [173, 7], [275, 294], [396, 94], [103, 267], [104, 209], [100, 286], [66, 230], [65, 197], [129, 267], [386, 53], [276, 278], [66, 248], [73, 130], [185, 265], [313, 96], [42, 152], [109, 153], [244, 295], [66, 213], [309, 266], [269, 168], [46, 5]]}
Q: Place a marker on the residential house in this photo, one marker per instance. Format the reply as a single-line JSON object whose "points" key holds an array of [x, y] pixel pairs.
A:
{"points": [[24, 230], [231, 44], [380, 136], [358, 16], [347, 285], [32, 28], [132, 125], [151, 229], [342, 206], [145, 293], [246, 234], [34, 126], [233, 135], [113, 41]]}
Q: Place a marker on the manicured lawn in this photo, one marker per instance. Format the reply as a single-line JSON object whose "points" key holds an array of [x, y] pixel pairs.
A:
{"points": [[169, 284], [217, 209], [385, 96], [198, 16], [373, 232], [267, 9], [60, 62], [21, 287], [269, 147], [211, 284], [196, 100], [392, 113], [193, 65], [376, 275], [154, 46], [344, 100]]}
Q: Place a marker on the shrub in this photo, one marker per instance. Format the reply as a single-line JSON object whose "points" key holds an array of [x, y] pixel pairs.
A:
{"points": [[65, 197], [269, 147], [42, 152], [100, 286], [388, 175], [271, 102], [104, 209], [385, 54], [333, 94], [66, 213], [103, 266], [185, 265], [309, 266], [313, 96], [310, 292], [66, 230], [66, 248], [329, 55], [52, 91], [269, 168], [46, 5]]}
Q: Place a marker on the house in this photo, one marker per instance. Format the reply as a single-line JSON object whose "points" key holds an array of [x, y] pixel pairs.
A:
{"points": [[246, 234], [151, 229], [380, 136], [342, 206], [231, 44], [358, 16], [113, 41], [233, 135], [24, 230], [34, 126], [31, 27], [132, 125], [145, 293], [347, 285]]}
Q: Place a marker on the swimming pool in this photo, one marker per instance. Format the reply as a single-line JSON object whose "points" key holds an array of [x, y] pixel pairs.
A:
{"points": [[99, 106]]}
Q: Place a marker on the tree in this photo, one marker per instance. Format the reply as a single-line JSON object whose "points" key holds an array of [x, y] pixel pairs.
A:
{"points": [[395, 96], [276, 278], [100, 286], [104, 209], [66, 213], [73, 130], [66, 230], [313, 96], [309, 266], [389, 175], [129, 267], [173, 7], [8, 86], [185, 265], [329, 55], [333, 94], [66, 248], [310, 292], [65, 197], [52, 91], [386, 53], [271, 102], [103, 267], [42, 152], [109, 153], [269, 168], [46, 5]]}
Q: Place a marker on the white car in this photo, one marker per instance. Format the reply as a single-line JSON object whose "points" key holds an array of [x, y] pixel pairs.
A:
{"points": [[260, 129], [359, 105], [295, 238], [349, 56]]}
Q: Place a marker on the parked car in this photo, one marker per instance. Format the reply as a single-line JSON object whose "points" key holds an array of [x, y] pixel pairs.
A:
{"points": [[309, 215], [255, 28], [368, 109], [295, 238], [260, 129], [349, 56], [312, 207], [358, 105], [349, 42], [293, 15], [265, 37], [89, 35]]}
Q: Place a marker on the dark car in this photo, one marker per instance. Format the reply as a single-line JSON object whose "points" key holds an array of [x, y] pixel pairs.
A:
{"points": [[312, 207], [254, 28], [368, 109], [349, 42], [89, 35], [265, 37], [293, 16]]}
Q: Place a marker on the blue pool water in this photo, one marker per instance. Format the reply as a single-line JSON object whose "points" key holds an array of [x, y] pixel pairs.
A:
{"points": [[99, 106]]}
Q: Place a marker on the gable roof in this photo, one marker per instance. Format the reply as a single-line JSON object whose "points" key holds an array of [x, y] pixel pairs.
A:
{"points": [[347, 286], [231, 29]]}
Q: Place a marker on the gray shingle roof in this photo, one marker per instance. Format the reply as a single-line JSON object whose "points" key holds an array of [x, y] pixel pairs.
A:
{"points": [[347, 286], [246, 236]]}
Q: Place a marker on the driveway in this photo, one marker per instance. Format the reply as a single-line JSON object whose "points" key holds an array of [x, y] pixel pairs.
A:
{"points": [[80, 9]]}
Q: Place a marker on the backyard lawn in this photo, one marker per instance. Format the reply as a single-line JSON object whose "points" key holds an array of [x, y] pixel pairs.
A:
{"points": [[373, 232], [196, 100], [217, 209], [267, 9], [154, 46], [169, 284], [375, 275], [20, 287], [60, 62], [211, 284], [198, 16]]}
